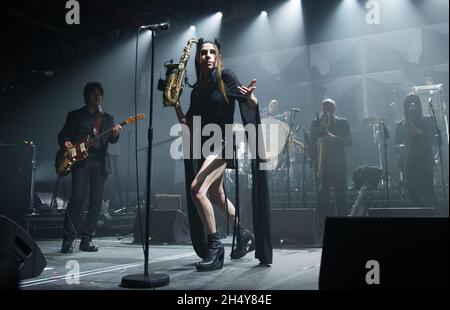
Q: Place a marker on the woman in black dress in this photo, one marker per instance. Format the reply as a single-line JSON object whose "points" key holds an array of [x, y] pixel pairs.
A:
{"points": [[213, 99], [414, 137]]}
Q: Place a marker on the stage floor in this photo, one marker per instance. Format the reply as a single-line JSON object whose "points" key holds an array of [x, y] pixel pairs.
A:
{"points": [[292, 268]]}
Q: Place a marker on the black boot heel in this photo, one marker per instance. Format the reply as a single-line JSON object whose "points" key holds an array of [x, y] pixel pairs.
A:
{"points": [[215, 257], [245, 244]]}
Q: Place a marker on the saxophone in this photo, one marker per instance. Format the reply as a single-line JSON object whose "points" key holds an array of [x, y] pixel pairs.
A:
{"points": [[174, 77], [324, 124]]}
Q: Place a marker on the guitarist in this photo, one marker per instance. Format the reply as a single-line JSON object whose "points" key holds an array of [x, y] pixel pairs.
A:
{"points": [[88, 175]]}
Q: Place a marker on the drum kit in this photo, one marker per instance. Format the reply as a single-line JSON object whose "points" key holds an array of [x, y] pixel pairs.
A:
{"points": [[281, 145]]}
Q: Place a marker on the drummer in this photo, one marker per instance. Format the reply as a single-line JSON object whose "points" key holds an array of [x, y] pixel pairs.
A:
{"points": [[272, 111]]}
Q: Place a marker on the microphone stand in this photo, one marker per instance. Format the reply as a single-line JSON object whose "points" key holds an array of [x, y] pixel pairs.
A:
{"points": [[128, 169], [34, 162], [438, 135], [386, 169], [147, 280]]}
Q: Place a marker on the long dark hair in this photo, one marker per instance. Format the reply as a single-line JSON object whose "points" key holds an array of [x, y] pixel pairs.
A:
{"points": [[412, 104], [218, 66]]}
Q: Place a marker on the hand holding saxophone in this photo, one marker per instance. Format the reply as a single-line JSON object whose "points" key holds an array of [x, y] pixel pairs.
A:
{"points": [[330, 137]]}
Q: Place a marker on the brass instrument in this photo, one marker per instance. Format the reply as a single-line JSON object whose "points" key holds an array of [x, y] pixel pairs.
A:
{"points": [[174, 77], [324, 123], [297, 144]]}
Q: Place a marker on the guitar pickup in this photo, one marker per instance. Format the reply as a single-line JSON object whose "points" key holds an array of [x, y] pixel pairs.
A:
{"points": [[73, 152], [83, 148]]}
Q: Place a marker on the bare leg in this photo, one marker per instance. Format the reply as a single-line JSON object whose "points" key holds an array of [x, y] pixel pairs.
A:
{"points": [[211, 171], [245, 242], [217, 197]]}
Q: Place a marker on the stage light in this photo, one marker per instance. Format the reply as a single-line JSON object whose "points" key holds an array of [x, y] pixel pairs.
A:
{"points": [[209, 27], [286, 21], [263, 13], [192, 28], [296, 3]]}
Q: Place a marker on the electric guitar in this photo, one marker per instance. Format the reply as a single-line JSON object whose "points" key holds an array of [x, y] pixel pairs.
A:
{"points": [[67, 157]]}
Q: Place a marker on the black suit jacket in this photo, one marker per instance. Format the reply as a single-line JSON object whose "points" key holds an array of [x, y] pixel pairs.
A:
{"points": [[335, 152], [71, 132]]}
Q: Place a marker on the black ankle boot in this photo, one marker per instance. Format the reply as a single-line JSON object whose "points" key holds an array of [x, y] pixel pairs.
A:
{"points": [[67, 246], [87, 245], [214, 257], [244, 244]]}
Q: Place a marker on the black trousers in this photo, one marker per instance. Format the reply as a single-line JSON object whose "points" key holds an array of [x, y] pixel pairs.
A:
{"points": [[333, 175], [87, 181], [420, 177]]}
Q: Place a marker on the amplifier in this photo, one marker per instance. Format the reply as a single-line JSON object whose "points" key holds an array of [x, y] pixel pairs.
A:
{"points": [[167, 202], [294, 225]]}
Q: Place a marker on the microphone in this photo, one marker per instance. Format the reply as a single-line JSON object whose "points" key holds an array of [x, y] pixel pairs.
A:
{"points": [[156, 27], [295, 109]]}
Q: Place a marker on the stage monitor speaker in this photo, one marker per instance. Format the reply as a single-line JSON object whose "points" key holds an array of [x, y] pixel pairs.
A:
{"points": [[15, 243], [16, 164], [43, 201], [166, 226], [385, 253], [294, 225]]}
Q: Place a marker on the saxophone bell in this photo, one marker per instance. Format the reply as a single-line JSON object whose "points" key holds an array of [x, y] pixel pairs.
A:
{"points": [[172, 86], [162, 82]]}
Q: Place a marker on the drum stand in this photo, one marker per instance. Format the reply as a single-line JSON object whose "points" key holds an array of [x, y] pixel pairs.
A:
{"points": [[305, 158], [385, 135], [288, 159]]}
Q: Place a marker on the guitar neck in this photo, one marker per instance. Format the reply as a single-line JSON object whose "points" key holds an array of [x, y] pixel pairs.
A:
{"points": [[103, 134]]}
